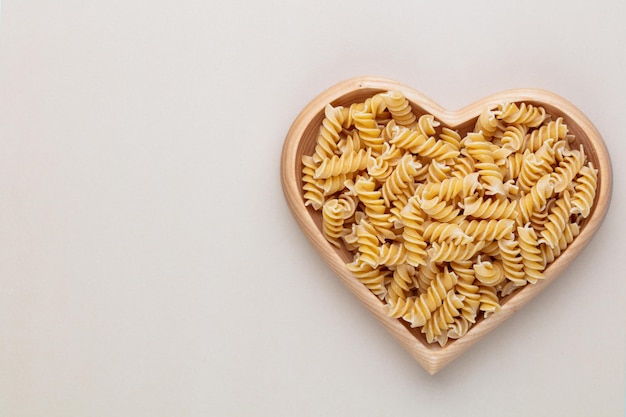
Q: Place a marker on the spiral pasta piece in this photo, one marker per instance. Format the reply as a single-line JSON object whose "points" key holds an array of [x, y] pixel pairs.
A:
{"points": [[417, 310], [462, 167], [437, 172], [365, 123], [551, 253], [334, 213], [511, 190], [433, 148], [313, 194], [451, 188], [442, 211], [349, 143], [400, 202], [489, 208], [375, 210], [437, 326], [451, 137], [471, 297], [413, 219], [557, 221], [344, 164], [491, 250], [393, 254], [512, 139], [399, 180], [459, 327], [369, 132], [400, 108], [512, 261], [555, 130], [531, 254], [422, 173], [332, 185], [534, 166], [381, 167], [539, 218], [367, 243], [562, 150], [464, 270], [420, 144], [487, 229], [489, 302], [525, 114], [567, 170], [489, 273], [391, 154], [426, 125], [376, 105], [350, 239], [401, 283], [403, 137], [445, 232], [535, 200], [348, 114], [585, 190], [448, 252], [328, 137], [373, 278], [513, 166], [482, 152], [487, 123]]}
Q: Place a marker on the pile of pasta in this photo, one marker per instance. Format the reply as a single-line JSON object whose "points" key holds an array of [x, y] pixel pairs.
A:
{"points": [[443, 225]]}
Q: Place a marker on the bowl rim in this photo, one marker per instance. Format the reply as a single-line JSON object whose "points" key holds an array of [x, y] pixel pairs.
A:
{"points": [[433, 357]]}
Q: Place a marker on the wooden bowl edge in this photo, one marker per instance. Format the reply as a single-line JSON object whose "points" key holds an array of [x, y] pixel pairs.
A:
{"points": [[433, 358]]}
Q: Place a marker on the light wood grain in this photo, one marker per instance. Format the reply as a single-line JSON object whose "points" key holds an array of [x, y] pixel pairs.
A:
{"points": [[301, 140]]}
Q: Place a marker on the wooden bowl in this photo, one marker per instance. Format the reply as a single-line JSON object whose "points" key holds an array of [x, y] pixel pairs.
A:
{"points": [[301, 140]]}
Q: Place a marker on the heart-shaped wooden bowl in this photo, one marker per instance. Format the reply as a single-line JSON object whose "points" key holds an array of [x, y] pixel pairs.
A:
{"points": [[301, 140]]}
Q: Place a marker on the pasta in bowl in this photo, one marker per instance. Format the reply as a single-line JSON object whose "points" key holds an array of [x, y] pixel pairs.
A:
{"points": [[444, 223]]}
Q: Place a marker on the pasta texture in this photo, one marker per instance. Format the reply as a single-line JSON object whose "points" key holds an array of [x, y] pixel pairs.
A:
{"points": [[443, 224]]}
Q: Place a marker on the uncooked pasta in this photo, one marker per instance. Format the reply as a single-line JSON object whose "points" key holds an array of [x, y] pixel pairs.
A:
{"points": [[442, 224]]}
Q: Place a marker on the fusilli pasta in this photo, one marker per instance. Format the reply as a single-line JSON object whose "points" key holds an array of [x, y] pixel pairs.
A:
{"points": [[443, 223]]}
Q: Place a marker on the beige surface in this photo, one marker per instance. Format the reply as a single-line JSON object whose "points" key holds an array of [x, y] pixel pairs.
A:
{"points": [[142, 274]]}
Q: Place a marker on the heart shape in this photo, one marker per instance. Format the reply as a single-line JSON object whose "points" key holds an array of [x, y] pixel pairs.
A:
{"points": [[301, 140]]}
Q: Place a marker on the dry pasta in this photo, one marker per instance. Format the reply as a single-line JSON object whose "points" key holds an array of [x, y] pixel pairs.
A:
{"points": [[443, 224]]}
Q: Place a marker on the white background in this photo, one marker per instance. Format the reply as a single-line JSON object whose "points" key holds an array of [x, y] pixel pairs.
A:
{"points": [[149, 265]]}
